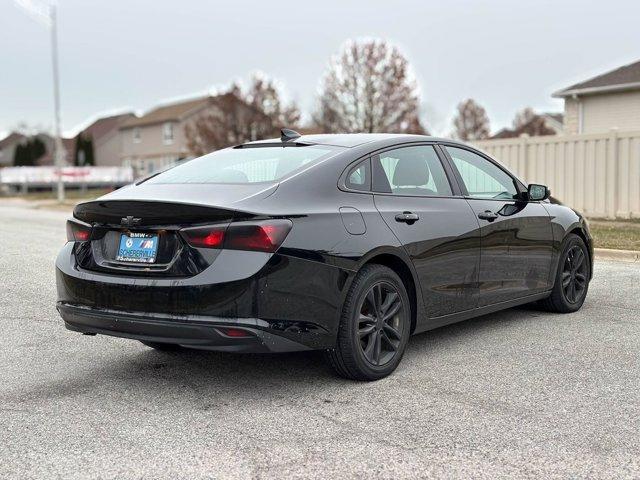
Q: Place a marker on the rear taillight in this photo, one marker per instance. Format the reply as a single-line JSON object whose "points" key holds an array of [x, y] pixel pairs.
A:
{"points": [[265, 236], [205, 237], [78, 231]]}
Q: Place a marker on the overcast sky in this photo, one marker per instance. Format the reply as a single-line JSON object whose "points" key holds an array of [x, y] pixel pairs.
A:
{"points": [[116, 54]]}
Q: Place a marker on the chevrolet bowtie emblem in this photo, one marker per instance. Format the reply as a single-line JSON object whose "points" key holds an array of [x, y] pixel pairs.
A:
{"points": [[130, 221]]}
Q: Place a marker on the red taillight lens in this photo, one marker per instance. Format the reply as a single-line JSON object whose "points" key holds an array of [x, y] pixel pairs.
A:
{"points": [[77, 231], [264, 236], [205, 237]]}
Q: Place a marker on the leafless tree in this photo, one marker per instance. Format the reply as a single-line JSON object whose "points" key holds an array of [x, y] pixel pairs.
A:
{"points": [[471, 121], [264, 95], [238, 116], [228, 120], [369, 87], [523, 117], [527, 122]]}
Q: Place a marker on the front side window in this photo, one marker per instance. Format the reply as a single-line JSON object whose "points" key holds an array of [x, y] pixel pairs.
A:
{"points": [[411, 171], [246, 165], [167, 133], [482, 178], [136, 135]]}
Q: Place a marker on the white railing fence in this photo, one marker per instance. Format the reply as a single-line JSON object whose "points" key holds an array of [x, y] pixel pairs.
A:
{"points": [[47, 176], [597, 174]]}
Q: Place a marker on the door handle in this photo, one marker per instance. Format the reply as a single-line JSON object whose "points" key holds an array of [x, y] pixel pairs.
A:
{"points": [[487, 215], [407, 217]]}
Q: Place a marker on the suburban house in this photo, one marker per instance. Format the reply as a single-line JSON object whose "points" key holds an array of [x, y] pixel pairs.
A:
{"points": [[610, 100], [157, 138], [539, 125], [105, 135], [8, 146], [10, 142]]}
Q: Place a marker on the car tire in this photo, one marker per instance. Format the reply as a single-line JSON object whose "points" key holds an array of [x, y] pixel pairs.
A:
{"points": [[162, 347], [572, 277], [374, 326]]}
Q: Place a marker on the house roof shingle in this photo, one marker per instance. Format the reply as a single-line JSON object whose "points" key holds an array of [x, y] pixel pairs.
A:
{"points": [[105, 125], [165, 113], [623, 78], [541, 124], [12, 138]]}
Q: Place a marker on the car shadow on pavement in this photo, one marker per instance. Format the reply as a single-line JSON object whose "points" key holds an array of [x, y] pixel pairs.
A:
{"points": [[303, 365], [126, 366]]}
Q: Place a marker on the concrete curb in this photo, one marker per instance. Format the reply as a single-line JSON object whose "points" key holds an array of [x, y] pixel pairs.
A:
{"points": [[617, 255]]}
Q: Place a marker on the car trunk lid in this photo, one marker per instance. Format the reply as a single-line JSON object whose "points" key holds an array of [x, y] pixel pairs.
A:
{"points": [[135, 219]]}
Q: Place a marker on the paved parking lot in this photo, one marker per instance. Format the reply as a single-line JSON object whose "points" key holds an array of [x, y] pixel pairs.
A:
{"points": [[521, 393]]}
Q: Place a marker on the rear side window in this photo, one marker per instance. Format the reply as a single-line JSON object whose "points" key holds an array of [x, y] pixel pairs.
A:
{"points": [[359, 177], [411, 171], [245, 165]]}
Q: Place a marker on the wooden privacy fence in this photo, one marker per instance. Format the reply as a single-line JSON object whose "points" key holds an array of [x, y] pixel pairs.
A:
{"points": [[597, 174]]}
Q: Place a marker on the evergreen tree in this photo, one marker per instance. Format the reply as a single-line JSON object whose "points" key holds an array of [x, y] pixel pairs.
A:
{"points": [[84, 151], [38, 149], [19, 155], [28, 153], [89, 157]]}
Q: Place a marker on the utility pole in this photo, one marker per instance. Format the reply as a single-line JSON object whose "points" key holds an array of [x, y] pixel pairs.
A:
{"points": [[59, 149], [46, 14]]}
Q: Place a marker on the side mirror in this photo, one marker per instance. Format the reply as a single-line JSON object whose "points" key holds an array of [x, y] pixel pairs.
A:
{"points": [[538, 192]]}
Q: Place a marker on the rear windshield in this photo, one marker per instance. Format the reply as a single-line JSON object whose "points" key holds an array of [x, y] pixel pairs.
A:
{"points": [[245, 165]]}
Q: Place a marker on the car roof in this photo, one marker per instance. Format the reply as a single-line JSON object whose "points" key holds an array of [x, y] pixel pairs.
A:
{"points": [[350, 140]]}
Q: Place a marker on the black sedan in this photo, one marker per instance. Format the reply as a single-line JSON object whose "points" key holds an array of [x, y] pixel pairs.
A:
{"points": [[344, 243]]}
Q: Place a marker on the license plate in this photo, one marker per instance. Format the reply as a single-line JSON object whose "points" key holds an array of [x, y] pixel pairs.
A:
{"points": [[138, 247]]}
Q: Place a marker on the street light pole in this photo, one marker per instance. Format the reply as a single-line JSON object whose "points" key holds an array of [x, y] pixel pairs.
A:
{"points": [[58, 148], [45, 13]]}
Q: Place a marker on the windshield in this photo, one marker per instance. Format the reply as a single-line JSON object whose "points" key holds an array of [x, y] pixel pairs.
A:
{"points": [[245, 165]]}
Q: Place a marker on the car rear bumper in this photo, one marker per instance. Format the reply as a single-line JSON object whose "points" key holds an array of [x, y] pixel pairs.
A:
{"points": [[275, 296], [200, 332]]}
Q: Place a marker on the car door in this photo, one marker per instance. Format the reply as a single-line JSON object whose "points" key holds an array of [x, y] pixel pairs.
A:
{"points": [[425, 210], [516, 235]]}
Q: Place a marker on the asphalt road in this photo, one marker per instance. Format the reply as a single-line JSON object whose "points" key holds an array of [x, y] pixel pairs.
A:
{"points": [[520, 393]]}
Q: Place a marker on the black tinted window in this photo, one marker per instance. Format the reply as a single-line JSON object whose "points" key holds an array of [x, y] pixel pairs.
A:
{"points": [[412, 171], [482, 178], [245, 165], [359, 177]]}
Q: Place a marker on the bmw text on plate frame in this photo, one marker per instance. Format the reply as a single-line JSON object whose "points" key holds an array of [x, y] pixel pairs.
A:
{"points": [[138, 247], [344, 243]]}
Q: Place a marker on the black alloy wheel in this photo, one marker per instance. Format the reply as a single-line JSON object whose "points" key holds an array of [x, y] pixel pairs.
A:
{"points": [[574, 274], [572, 277], [380, 323], [374, 327]]}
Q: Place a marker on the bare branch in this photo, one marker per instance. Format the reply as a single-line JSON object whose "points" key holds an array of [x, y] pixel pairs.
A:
{"points": [[471, 121], [369, 87], [236, 117]]}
